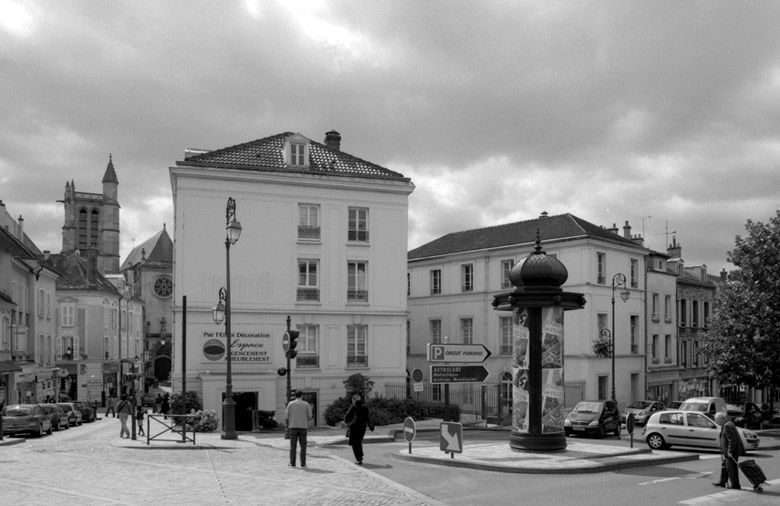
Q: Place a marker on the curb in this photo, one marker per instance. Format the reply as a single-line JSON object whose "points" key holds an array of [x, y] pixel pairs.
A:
{"points": [[11, 442], [612, 464]]}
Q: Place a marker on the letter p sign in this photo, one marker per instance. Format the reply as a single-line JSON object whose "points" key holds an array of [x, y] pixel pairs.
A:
{"points": [[437, 353]]}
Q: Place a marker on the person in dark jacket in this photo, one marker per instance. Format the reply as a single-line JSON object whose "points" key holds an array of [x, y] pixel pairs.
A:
{"points": [[731, 449], [358, 420], [165, 407]]}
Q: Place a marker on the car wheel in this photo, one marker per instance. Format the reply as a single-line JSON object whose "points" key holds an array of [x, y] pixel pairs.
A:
{"points": [[39, 432], [51, 428], [656, 441], [601, 432]]}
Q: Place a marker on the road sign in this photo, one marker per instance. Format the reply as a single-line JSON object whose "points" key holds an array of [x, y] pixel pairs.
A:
{"points": [[418, 387], [458, 373], [630, 422], [417, 375], [286, 342], [451, 437], [469, 353], [410, 429]]}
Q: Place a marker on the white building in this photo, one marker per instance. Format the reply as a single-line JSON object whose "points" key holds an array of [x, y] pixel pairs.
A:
{"points": [[324, 241], [452, 281]]}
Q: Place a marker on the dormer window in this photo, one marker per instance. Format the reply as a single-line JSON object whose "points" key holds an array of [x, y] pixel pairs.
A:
{"points": [[296, 151]]}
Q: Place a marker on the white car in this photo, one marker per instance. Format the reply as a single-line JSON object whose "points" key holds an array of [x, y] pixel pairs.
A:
{"points": [[689, 428]]}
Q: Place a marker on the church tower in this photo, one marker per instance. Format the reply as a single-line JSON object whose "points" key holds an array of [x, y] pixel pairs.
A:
{"points": [[92, 221]]}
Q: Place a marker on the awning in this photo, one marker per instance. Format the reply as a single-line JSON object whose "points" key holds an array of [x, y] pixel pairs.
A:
{"points": [[9, 366]]}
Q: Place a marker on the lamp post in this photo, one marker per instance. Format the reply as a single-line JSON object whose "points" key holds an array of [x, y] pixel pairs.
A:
{"points": [[222, 310], [618, 280]]}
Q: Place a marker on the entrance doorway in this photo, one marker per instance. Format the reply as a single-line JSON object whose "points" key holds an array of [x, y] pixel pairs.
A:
{"points": [[245, 403]]}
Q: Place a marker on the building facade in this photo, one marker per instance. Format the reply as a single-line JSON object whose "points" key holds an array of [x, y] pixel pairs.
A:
{"points": [[663, 366], [323, 242], [452, 281]]}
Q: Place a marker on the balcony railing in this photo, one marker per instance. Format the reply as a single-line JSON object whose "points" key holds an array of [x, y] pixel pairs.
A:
{"points": [[308, 232], [357, 361], [357, 295], [309, 294], [307, 361]]}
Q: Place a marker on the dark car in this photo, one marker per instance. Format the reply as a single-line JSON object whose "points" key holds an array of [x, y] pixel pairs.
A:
{"points": [[57, 417], [593, 417], [673, 404], [74, 414], [25, 419], [87, 412], [748, 416], [641, 411]]}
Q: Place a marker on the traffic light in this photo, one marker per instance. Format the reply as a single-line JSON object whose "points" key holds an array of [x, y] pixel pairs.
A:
{"points": [[292, 336], [281, 371]]}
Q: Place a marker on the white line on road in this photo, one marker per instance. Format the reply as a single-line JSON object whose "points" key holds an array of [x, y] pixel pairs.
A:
{"points": [[726, 495], [691, 476]]}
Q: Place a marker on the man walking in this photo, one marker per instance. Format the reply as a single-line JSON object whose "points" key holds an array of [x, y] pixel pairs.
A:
{"points": [[298, 414], [730, 448]]}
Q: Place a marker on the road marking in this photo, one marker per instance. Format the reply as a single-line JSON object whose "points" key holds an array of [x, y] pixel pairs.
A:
{"points": [[691, 476], [726, 495]]}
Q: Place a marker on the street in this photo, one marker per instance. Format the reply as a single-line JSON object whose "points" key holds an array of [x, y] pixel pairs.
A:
{"points": [[91, 465]]}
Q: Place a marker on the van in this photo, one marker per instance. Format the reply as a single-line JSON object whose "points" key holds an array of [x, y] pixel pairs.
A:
{"points": [[707, 405]]}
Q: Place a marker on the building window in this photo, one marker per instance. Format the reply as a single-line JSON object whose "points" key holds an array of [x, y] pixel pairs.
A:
{"points": [[505, 330], [436, 392], [602, 387], [68, 312], [667, 348], [408, 337], [408, 284], [114, 317], [667, 308], [634, 273], [163, 287], [602, 322], [695, 313], [308, 351], [435, 331], [357, 282], [308, 288], [654, 349], [634, 321], [356, 346], [467, 330], [40, 304], [683, 312], [467, 277], [655, 314], [435, 281], [309, 221], [683, 354], [695, 354], [358, 224], [706, 319], [297, 154], [601, 260], [506, 268], [48, 306]]}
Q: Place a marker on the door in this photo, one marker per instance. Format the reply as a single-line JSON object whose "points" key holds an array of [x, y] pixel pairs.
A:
{"points": [[245, 403], [701, 431]]}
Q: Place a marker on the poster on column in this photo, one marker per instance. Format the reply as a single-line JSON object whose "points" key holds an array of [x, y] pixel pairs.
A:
{"points": [[520, 337], [249, 346], [552, 370]]}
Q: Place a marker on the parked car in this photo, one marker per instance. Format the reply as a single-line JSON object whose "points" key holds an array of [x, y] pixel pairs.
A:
{"points": [[593, 417], [641, 411], [87, 412], [73, 413], [57, 417], [673, 404], [708, 405], [689, 428], [25, 419]]}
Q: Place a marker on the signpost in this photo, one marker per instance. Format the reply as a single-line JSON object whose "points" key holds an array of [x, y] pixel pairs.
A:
{"points": [[458, 373], [460, 353], [410, 430], [451, 438], [630, 422]]}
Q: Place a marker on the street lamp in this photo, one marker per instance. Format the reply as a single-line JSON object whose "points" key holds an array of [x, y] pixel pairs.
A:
{"points": [[618, 280], [222, 311]]}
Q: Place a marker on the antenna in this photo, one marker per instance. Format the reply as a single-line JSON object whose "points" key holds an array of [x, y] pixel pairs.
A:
{"points": [[643, 224], [667, 233]]}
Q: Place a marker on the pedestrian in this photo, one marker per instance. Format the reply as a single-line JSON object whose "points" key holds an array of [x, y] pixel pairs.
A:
{"points": [[124, 409], [358, 420], [165, 405], [111, 403], [731, 449], [158, 403], [298, 415], [139, 418]]}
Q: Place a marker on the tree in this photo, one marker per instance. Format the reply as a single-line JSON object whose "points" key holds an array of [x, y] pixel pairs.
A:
{"points": [[358, 384], [743, 338]]}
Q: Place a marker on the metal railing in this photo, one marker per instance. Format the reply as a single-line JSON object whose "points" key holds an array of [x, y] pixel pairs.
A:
{"points": [[170, 426]]}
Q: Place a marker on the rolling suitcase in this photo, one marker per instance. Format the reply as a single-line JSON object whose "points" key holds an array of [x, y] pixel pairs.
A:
{"points": [[753, 473]]}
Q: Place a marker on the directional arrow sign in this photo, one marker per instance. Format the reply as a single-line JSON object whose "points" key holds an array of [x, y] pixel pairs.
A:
{"points": [[473, 353], [451, 437], [458, 373]]}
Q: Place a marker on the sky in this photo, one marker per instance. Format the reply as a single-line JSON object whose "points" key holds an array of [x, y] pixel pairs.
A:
{"points": [[663, 114]]}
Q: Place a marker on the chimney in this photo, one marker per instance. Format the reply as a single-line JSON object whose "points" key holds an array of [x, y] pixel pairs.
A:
{"points": [[724, 276], [544, 215], [627, 230], [614, 229], [674, 250], [333, 140], [20, 229]]}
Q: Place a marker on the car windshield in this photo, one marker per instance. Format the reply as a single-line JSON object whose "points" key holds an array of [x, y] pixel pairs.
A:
{"points": [[694, 406], [639, 404], [587, 407]]}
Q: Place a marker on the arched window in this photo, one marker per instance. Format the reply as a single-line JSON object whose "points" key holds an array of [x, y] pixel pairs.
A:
{"points": [[94, 229], [83, 230]]}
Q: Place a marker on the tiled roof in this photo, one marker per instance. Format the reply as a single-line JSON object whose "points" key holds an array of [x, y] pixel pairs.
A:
{"points": [[266, 155], [158, 248], [14, 246], [75, 273], [560, 227]]}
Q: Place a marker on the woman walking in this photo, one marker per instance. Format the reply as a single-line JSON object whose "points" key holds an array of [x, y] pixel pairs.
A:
{"points": [[124, 410], [357, 420]]}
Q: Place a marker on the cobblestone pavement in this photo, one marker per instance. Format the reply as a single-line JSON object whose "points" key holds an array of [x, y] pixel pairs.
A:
{"points": [[90, 465]]}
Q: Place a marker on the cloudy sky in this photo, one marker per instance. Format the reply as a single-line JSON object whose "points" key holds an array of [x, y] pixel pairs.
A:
{"points": [[666, 114]]}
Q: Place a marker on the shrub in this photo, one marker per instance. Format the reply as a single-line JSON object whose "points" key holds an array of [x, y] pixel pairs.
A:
{"points": [[384, 411], [336, 411], [184, 405], [265, 420], [203, 421]]}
